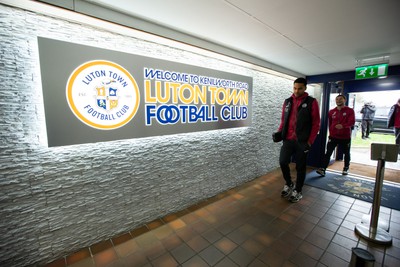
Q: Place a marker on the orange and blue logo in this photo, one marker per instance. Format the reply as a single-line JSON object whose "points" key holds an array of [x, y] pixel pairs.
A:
{"points": [[102, 94]]}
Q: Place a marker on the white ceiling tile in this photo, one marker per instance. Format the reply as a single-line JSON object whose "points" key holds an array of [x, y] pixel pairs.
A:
{"points": [[310, 36]]}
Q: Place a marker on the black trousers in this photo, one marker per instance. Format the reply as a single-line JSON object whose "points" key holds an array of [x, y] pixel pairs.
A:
{"points": [[344, 144], [288, 149], [366, 126]]}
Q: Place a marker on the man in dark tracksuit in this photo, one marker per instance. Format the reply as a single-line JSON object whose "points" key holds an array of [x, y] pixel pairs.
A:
{"points": [[299, 126]]}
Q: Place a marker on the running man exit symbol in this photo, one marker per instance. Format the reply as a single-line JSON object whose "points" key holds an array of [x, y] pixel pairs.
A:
{"points": [[374, 71]]}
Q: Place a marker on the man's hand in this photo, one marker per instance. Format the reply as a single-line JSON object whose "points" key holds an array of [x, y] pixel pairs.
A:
{"points": [[277, 137], [339, 126]]}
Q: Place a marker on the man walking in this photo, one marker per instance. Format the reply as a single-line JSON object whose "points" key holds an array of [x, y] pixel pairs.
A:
{"points": [[368, 114], [298, 129], [341, 120]]}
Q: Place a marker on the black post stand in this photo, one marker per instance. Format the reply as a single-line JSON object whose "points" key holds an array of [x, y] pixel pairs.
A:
{"points": [[372, 232]]}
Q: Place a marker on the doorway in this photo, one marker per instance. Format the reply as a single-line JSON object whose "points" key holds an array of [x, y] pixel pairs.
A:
{"points": [[361, 148]]}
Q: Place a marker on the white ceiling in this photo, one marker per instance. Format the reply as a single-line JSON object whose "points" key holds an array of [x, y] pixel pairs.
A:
{"points": [[306, 36]]}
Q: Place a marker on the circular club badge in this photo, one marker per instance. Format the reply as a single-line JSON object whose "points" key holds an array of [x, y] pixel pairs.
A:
{"points": [[102, 94]]}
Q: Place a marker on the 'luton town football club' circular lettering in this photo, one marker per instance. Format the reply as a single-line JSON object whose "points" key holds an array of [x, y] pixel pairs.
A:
{"points": [[103, 94]]}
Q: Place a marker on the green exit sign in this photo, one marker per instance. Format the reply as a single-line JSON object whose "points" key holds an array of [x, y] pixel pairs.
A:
{"points": [[374, 71]]}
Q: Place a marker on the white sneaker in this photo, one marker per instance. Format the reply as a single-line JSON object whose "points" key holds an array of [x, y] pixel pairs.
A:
{"points": [[287, 190], [295, 197]]}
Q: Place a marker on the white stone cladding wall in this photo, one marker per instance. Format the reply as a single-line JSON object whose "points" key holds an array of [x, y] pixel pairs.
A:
{"points": [[54, 201]]}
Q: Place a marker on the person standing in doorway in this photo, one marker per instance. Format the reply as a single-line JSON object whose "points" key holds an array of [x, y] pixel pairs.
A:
{"points": [[298, 129], [394, 121], [341, 121], [368, 114]]}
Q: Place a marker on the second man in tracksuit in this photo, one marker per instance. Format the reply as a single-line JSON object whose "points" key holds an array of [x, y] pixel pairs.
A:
{"points": [[341, 121]]}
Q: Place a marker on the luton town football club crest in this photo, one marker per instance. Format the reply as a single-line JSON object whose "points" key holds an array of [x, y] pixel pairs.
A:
{"points": [[107, 95], [102, 94]]}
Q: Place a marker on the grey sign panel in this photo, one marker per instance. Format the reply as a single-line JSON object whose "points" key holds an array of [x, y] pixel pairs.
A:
{"points": [[387, 152], [96, 95]]}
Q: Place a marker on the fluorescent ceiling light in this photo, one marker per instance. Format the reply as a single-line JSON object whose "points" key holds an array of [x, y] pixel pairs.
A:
{"points": [[372, 60]]}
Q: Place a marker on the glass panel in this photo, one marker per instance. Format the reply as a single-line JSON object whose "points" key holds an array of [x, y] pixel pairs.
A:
{"points": [[316, 90]]}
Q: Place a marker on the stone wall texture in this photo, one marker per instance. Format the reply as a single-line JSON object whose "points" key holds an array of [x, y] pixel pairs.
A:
{"points": [[54, 201]]}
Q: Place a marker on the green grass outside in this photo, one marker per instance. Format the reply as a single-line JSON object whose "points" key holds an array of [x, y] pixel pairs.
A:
{"points": [[374, 138]]}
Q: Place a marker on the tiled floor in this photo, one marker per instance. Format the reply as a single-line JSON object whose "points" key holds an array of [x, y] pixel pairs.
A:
{"points": [[249, 226]]}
